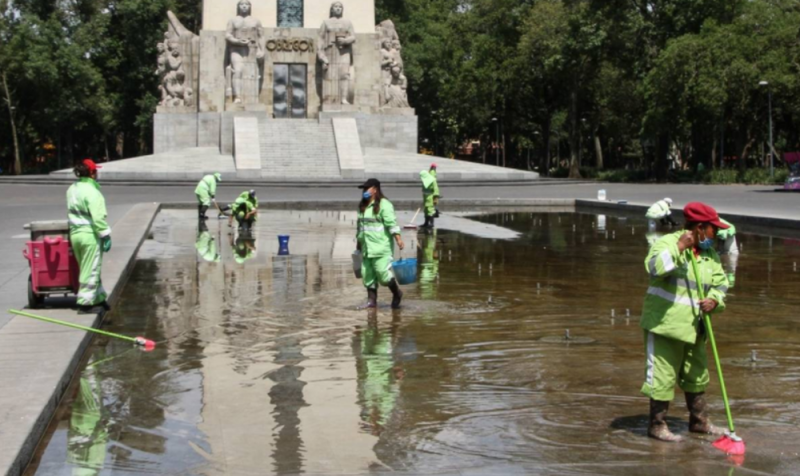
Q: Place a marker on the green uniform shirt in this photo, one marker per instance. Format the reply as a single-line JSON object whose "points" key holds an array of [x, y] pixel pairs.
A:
{"points": [[86, 209], [670, 306], [207, 186], [374, 232], [658, 210]]}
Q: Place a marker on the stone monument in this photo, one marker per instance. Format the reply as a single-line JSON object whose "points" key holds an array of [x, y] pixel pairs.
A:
{"points": [[282, 60], [244, 36], [335, 52]]}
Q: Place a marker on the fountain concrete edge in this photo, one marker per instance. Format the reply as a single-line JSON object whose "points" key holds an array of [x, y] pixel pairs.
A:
{"points": [[38, 360]]}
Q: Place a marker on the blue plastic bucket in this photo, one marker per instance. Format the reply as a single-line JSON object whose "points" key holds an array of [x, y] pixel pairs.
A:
{"points": [[405, 270], [283, 245]]}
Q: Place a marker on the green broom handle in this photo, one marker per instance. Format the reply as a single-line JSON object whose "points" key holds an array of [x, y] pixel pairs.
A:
{"points": [[707, 320], [69, 324]]}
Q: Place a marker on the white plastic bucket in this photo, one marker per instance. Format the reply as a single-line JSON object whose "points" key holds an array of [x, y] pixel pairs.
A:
{"points": [[357, 259], [601, 194]]}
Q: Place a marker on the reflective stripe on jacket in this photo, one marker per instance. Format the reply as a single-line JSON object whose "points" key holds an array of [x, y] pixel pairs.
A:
{"points": [[659, 210], [670, 305], [86, 208], [207, 185], [374, 233]]}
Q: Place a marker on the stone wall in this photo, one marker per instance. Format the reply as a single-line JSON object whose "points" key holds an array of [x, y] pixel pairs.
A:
{"points": [[394, 129]]}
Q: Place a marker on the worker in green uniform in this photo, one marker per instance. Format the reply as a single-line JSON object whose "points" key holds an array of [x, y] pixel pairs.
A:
{"points": [[89, 235], [206, 192], [244, 249], [429, 266], [430, 195], [377, 225], [675, 340], [661, 211], [245, 210]]}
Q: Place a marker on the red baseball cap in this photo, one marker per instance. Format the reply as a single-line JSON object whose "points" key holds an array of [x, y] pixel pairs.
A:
{"points": [[89, 163], [433, 165], [696, 212]]}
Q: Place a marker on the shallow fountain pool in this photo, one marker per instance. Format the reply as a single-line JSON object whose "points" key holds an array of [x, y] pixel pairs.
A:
{"points": [[265, 367]]}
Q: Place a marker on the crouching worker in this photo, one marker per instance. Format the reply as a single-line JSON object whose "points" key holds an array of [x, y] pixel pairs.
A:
{"points": [[661, 211], [89, 235], [674, 334], [376, 234], [245, 210]]}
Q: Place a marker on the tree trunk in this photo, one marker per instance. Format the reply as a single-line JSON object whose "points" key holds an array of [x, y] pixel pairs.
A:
{"points": [[741, 163], [17, 160], [503, 150], [545, 171], [662, 157], [574, 135], [598, 151]]}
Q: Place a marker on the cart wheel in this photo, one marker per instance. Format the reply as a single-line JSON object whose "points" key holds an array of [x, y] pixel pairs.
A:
{"points": [[35, 301]]}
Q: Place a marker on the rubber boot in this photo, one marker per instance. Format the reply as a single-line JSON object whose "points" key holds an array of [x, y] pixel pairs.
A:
{"points": [[427, 222], [658, 422], [431, 223], [397, 294], [203, 209], [372, 299], [698, 418]]}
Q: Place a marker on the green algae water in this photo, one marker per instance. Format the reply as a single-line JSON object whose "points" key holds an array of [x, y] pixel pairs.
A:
{"points": [[264, 366]]}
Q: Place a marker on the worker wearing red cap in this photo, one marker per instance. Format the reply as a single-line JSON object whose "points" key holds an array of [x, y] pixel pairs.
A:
{"points": [[89, 235], [430, 195], [675, 340]]}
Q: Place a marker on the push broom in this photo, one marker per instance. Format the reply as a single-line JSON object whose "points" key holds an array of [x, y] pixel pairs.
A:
{"points": [[729, 442], [411, 225], [147, 344]]}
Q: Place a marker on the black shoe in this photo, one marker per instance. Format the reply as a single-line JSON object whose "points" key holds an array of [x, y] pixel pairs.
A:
{"points": [[397, 294], [97, 309]]}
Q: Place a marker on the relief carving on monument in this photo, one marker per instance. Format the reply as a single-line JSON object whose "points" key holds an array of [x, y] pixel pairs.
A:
{"points": [[335, 53], [177, 67], [244, 58], [394, 81]]}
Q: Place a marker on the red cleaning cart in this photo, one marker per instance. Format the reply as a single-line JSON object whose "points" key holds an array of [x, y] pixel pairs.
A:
{"points": [[54, 269]]}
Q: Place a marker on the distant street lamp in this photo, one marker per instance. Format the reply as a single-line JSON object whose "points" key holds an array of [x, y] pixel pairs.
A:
{"points": [[769, 94], [496, 141]]}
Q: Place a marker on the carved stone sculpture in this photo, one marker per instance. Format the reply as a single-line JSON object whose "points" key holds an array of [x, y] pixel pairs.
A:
{"points": [[395, 92], [387, 61], [176, 65], [245, 55], [335, 53]]}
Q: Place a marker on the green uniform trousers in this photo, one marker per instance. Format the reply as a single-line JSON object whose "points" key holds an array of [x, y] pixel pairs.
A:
{"points": [[671, 362], [376, 271], [89, 254], [203, 199]]}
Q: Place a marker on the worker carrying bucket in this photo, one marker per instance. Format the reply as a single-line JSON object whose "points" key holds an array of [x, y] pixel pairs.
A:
{"points": [[661, 211], [377, 231], [675, 335], [89, 235]]}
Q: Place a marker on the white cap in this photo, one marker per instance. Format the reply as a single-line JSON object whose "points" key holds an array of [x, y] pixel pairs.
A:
{"points": [[668, 200]]}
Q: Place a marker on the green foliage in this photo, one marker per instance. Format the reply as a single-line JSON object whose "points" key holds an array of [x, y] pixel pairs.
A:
{"points": [[723, 177]]}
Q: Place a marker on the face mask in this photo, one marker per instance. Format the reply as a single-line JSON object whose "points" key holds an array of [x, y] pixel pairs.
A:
{"points": [[366, 195], [706, 243]]}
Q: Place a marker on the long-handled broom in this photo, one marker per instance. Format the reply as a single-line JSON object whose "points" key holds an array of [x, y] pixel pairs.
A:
{"points": [[411, 225], [729, 442], [140, 341]]}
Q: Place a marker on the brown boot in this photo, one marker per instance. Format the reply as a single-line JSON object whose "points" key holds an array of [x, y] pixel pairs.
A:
{"points": [[698, 418], [658, 423]]}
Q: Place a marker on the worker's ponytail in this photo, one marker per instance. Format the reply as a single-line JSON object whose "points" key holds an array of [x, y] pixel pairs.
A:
{"points": [[81, 170]]}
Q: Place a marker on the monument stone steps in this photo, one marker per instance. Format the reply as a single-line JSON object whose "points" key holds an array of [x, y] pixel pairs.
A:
{"points": [[294, 147]]}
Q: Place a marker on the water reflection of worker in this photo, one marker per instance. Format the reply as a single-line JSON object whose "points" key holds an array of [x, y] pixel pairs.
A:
{"points": [[205, 244], [244, 248], [661, 211], [87, 438], [675, 344], [429, 266], [378, 375], [652, 237], [245, 210], [728, 250]]}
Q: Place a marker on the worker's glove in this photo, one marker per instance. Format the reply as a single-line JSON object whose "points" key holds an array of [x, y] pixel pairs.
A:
{"points": [[106, 244], [213, 199]]}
